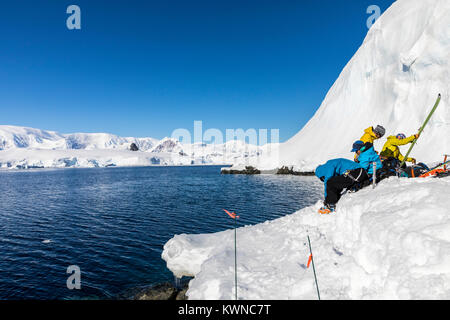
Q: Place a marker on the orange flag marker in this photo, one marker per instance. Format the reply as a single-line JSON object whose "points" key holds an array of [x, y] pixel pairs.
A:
{"points": [[231, 214], [309, 261]]}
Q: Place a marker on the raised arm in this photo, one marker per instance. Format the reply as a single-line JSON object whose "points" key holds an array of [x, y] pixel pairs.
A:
{"points": [[401, 142]]}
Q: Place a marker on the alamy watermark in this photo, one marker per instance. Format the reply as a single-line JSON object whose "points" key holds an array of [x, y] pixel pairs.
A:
{"points": [[73, 22], [245, 146], [375, 13], [74, 280]]}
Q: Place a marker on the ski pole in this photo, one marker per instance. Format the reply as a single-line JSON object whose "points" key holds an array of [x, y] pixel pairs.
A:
{"points": [[440, 165], [374, 177], [235, 261], [422, 127], [235, 217], [314, 269], [432, 170]]}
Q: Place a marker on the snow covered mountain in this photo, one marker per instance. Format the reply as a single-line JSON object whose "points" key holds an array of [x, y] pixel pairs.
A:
{"points": [[12, 137], [20, 137], [92, 141], [168, 145], [392, 80], [22, 147]]}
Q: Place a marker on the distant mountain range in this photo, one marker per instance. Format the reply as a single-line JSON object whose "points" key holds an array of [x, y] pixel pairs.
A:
{"points": [[22, 147], [12, 137]]}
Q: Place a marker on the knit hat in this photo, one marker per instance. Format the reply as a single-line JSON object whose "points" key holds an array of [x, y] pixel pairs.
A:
{"points": [[357, 145]]}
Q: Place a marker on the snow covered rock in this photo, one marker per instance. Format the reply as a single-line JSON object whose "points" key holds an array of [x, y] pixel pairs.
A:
{"points": [[392, 242], [168, 145]]}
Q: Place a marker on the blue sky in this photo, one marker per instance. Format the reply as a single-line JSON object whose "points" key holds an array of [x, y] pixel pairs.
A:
{"points": [[146, 68]]}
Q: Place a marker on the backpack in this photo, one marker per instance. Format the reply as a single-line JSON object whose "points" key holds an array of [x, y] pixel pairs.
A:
{"points": [[414, 170], [390, 168]]}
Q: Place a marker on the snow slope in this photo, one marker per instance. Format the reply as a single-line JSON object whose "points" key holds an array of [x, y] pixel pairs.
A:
{"points": [[392, 80], [389, 243], [22, 147]]}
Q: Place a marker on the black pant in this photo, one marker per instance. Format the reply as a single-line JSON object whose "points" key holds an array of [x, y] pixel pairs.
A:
{"points": [[336, 184]]}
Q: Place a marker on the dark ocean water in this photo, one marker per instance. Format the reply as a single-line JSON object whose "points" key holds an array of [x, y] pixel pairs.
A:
{"points": [[113, 222]]}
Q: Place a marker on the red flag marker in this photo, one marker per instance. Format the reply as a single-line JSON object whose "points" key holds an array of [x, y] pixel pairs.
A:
{"points": [[309, 261]]}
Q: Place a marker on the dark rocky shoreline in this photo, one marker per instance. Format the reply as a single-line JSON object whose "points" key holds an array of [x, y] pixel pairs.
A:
{"points": [[247, 170], [285, 170], [161, 291], [290, 170]]}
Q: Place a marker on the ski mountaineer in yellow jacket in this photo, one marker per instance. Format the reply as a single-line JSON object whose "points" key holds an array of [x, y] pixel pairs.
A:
{"points": [[370, 135], [391, 149]]}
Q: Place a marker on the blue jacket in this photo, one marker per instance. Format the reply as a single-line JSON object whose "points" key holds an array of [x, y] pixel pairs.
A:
{"points": [[367, 158], [335, 167]]}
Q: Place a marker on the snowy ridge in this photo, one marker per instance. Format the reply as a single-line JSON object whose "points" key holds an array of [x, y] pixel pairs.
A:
{"points": [[93, 141], [392, 80], [389, 243], [22, 147], [21, 137], [13, 137]]}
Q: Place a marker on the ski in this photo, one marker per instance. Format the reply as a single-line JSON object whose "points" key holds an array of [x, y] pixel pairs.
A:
{"points": [[435, 170], [422, 127]]}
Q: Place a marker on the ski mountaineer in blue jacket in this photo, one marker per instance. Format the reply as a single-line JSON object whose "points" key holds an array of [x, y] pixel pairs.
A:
{"points": [[336, 175], [366, 155]]}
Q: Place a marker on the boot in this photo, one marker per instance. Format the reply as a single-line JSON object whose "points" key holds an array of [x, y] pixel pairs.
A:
{"points": [[327, 208]]}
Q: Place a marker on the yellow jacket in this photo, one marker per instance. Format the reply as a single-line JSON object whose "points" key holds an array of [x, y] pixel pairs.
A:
{"points": [[368, 136], [391, 149]]}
